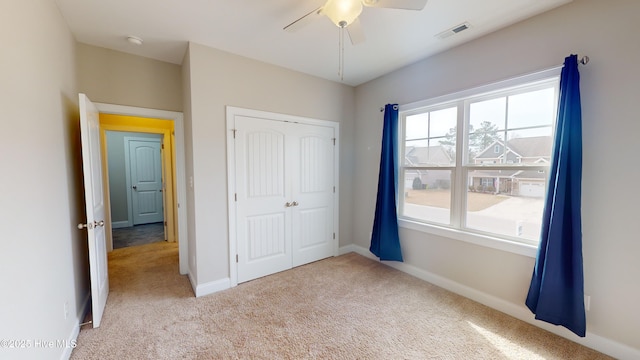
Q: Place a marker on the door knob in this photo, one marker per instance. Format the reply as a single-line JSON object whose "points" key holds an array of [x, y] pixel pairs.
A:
{"points": [[288, 204], [135, 187], [92, 225], [295, 203], [85, 226]]}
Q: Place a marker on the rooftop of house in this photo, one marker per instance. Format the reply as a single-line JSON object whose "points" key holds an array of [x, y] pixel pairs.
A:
{"points": [[524, 147]]}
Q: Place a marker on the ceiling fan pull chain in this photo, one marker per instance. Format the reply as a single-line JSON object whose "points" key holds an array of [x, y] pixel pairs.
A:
{"points": [[341, 54]]}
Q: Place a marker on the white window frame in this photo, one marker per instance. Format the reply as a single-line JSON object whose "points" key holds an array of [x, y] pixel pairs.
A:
{"points": [[459, 185]]}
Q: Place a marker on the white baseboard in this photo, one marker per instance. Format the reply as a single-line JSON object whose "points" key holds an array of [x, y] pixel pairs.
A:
{"points": [[119, 224], [210, 287], [521, 312], [347, 249], [73, 337]]}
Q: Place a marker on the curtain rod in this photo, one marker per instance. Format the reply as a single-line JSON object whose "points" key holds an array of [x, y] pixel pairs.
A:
{"points": [[583, 61]]}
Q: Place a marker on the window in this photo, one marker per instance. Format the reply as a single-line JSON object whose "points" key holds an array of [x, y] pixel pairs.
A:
{"points": [[477, 162]]}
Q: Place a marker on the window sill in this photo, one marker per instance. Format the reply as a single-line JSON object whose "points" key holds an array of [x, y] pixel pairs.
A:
{"points": [[476, 239]]}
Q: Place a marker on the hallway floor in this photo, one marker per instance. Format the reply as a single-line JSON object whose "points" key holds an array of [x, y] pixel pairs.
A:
{"points": [[138, 235]]}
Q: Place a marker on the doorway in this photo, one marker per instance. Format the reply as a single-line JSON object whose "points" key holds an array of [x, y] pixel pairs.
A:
{"points": [[126, 134], [170, 126], [136, 180]]}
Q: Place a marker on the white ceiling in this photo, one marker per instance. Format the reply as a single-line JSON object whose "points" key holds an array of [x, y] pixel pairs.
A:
{"points": [[254, 29]]}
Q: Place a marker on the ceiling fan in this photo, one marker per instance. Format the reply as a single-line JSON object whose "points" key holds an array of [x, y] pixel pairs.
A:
{"points": [[344, 13]]}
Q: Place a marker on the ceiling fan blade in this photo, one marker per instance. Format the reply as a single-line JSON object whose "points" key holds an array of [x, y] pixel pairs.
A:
{"points": [[303, 21], [396, 4], [356, 34]]}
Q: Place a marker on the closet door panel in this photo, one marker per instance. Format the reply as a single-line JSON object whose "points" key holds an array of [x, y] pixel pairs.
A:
{"points": [[263, 221], [312, 188]]}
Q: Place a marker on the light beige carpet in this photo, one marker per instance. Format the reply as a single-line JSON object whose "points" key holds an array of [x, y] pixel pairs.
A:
{"points": [[348, 307]]}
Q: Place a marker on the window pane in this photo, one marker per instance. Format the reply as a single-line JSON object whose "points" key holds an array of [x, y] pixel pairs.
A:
{"points": [[531, 147], [417, 126], [528, 132], [488, 111], [532, 108], [506, 202], [428, 153], [431, 138], [486, 119], [443, 122], [427, 195]]}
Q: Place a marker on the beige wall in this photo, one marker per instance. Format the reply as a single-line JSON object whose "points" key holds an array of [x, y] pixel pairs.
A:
{"points": [[607, 32], [219, 79], [188, 135], [114, 77], [43, 256]]}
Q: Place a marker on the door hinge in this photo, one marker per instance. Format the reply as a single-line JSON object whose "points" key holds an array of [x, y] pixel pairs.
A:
{"points": [[334, 141], [165, 223], [162, 146], [235, 196], [334, 236], [234, 132], [334, 189], [236, 258]]}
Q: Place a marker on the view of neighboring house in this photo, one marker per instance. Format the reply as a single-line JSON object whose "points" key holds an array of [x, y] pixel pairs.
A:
{"points": [[427, 156], [518, 151], [517, 182]]}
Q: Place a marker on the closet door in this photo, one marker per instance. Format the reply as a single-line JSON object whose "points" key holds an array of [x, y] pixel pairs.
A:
{"points": [[312, 192], [284, 200], [263, 220]]}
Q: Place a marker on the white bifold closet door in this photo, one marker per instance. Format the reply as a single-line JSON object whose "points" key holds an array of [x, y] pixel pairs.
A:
{"points": [[285, 195]]}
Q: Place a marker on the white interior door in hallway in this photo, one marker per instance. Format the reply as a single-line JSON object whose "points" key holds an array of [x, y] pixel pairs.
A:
{"points": [[144, 173], [284, 196]]}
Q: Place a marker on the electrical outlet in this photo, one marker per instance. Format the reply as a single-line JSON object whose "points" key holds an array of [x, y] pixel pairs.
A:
{"points": [[66, 310], [587, 302]]}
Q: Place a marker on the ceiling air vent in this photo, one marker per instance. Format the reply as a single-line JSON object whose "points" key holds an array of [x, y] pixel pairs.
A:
{"points": [[454, 30]]}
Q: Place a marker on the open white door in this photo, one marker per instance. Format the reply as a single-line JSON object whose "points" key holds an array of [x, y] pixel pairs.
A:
{"points": [[94, 197]]}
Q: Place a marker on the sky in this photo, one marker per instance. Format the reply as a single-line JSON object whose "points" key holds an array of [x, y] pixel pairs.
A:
{"points": [[525, 110]]}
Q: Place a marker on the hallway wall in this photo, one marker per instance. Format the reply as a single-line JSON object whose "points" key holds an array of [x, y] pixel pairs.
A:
{"points": [[114, 77]]}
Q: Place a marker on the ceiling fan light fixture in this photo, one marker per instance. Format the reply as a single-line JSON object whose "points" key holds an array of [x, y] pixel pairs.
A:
{"points": [[342, 12], [134, 40]]}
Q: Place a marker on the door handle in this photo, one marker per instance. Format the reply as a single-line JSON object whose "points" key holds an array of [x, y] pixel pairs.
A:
{"points": [[295, 203], [92, 225], [87, 226], [135, 187], [288, 204]]}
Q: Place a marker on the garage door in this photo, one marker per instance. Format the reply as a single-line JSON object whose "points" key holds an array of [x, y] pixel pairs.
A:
{"points": [[532, 189]]}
